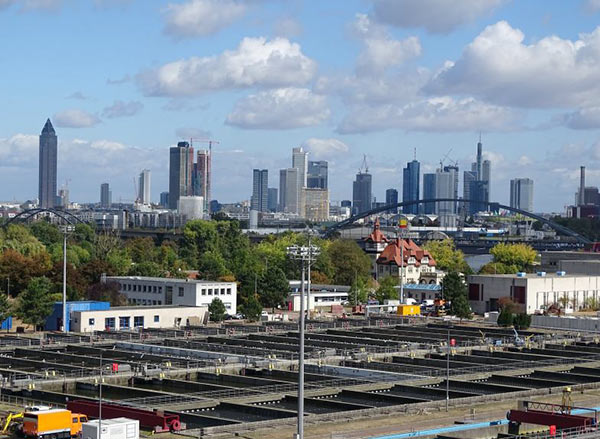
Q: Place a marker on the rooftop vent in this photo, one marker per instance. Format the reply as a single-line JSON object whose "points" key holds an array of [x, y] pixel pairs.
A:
{"points": [[561, 273], [541, 273], [521, 274]]}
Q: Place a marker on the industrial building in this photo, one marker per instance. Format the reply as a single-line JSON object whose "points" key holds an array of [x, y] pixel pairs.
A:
{"points": [[131, 317], [153, 291], [320, 295], [533, 291]]}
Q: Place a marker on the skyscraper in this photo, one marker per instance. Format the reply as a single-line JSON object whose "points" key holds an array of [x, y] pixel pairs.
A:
{"points": [[479, 188], [410, 186], [260, 194], [521, 194], [429, 183], [453, 169], [486, 176], [272, 199], [468, 178], [47, 166], [105, 196], [317, 175], [144, 187], [361, 192], [446, 186], [391, 197], [290, 200], [300, 162], [181, 161], [201, 177]]}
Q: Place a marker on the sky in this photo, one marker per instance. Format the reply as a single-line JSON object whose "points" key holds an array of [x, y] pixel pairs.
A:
{"points": [[123, 80]]}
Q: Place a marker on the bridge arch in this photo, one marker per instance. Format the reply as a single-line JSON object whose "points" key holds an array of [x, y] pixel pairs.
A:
{"points": [[493, 206], [67, 217]]}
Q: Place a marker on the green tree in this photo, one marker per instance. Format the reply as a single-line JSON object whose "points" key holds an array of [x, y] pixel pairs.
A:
{"points": [[386, 289], [21, 269], [447, 257], [146, 268], [46, 233], [141, 249], [36, 302], [18, 238], [498, 268], [520, 256], [273, 287], [455, 291], [217, 310], [349, 261], [522, 321], [505, 318], [252, 309], [212, 265], [107, 292]]}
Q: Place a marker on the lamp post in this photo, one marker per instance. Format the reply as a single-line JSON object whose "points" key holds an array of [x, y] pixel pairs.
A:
{"points": [[66, 230], [305, 254]]}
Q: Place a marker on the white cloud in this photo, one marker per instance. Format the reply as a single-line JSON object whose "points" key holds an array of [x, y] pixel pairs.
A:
{"points": [[380, 50], [255, 62], [439, 114], [122, 109], [19, 150], [499, 68], [583, 119], [288, 28], [325, 148], [184, 104], [201, 17], [438, 16], [282, 108], [75, 118], [189, 132]]}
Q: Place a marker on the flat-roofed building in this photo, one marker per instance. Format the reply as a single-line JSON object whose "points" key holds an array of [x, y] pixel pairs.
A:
{"points": [[153, 291], [131, 317], [533, 291]]}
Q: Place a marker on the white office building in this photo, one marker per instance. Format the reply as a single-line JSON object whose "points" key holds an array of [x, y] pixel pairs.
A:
{"points": [[192, 207], [144, 187], [153, 291], [132, 317], [521, 194], [533, 291]]}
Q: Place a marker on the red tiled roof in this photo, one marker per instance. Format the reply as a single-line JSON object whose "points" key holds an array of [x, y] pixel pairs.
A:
{"points": [[376, 235], [392, 254]]}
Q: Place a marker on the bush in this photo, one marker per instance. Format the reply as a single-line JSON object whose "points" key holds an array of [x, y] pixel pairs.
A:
{"points": [[522, 321], [505, 318], [217, 310]]}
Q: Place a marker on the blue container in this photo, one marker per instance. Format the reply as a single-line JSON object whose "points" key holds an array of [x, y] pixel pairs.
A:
{"points": [[54, 321], [7, 324]]}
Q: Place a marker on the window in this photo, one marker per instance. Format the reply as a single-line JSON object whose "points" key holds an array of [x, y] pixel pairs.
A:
{"points": [[154, 289], [154, 302], [156, 319], [160, 302], [210, 291], [204, 291], [229, 291], [160, 289], [181, 293], [138, 321], [124, 322], [109, 323], [91, 322], [222, 291]]}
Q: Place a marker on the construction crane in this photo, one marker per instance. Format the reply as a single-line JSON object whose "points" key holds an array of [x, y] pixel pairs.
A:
{"points": [[447, 156], [209, 141], [364, 165], [6, 422]]}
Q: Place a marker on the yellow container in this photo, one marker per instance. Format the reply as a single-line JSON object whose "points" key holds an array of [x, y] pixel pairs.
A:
{"points": [[409, 310]]}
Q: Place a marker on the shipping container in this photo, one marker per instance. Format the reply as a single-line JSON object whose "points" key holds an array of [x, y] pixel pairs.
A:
{"points": [[117, 428]]}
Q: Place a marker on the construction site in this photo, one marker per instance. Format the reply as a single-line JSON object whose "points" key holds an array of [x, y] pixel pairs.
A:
{"points": [[381, 377]]}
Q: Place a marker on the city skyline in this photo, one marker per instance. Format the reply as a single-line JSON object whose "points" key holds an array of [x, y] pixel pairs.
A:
{"points": [[101, 108]]}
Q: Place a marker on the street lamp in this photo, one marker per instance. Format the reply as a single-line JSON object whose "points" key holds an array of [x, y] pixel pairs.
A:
{"points": [[66, 230], [306, 254]]}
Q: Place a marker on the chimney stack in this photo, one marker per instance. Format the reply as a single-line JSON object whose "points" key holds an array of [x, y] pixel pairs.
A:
{"points": [[582, 187]]}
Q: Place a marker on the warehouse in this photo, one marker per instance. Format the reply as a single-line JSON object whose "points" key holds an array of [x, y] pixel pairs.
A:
{"points": [[132, 317], [533, 291], [152, 291]]}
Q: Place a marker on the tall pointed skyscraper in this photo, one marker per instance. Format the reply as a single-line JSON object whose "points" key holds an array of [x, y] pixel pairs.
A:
{"points": [[47, 168]]}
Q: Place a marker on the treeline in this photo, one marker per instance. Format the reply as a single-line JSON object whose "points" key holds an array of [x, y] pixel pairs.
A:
{"points": [[31, 259]]}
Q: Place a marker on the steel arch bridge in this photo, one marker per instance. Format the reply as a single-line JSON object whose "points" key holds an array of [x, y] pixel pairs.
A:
{"points": [[493, 206], [67, 217]]}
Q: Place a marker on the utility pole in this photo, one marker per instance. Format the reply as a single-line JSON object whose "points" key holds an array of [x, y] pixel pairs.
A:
{"points": [[100, 400], [66, 230], [306, 255]]}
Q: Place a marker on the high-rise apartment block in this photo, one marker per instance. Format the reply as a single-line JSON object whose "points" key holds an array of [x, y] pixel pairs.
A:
{"points": [[391, 197], [410, 186], [260, 190], [48, 154], [317, 175], [105, 196], [181, 163], [521, 194], [144, 193]]}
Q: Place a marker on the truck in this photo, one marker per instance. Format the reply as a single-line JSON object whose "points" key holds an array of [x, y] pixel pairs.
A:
{"points": [[52, 424]]}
